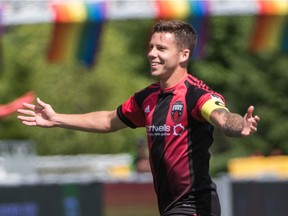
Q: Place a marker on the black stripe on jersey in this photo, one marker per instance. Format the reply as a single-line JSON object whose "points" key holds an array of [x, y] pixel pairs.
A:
{"points": [[142, 95], [124, 119], [157, 151], [192, 96], [198, 130], [194, 92]]}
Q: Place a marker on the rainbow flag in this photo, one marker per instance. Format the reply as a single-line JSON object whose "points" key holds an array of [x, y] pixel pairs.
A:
{"points": [[68, 12], [272, 7], [76, 32], [173, 9], [284, 39], [89, 43], [195, 12], [59, 43], [1, 25], [96, 11], [199, 19], [267, 34], [1, 32], [201, 26], [90, 34], [200, 8]]}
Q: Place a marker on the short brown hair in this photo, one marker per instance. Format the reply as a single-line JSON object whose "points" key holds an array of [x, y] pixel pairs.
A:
{"points": [[184, 33]]}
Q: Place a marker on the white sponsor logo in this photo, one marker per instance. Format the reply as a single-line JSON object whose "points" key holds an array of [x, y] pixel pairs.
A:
{"points": [[165, 130], [161, 128], [178, 129]]}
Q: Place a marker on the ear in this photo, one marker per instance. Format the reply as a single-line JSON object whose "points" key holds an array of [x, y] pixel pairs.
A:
{"points": [[185, 55]]}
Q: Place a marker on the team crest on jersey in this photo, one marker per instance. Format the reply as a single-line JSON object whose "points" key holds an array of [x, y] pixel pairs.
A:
{"points": [[177, 111]]}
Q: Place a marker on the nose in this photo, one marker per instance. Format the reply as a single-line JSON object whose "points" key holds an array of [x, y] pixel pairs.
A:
{"points": [[152, 53]]}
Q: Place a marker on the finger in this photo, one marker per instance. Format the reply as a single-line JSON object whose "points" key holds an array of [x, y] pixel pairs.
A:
{"points": [[33, 107], [41, 103], [245, 132], [26, 118], [257, 118], [255, 124], [26, 112], [249, 131], [29, 106], [28, 123], [253, 129]]}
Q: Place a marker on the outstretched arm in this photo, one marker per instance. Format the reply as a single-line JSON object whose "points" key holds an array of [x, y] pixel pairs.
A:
{"points": [[43, 115], [233, 124]]}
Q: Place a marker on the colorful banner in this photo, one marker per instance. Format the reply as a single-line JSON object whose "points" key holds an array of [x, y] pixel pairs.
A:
{"points": [[76, 32], [60, 39], [200, 8], [96, 11], [195, 12], [78, 24], [273, 7], [201, 26], [88, 43], [1, 22], [284, 38], [69, 12], [91, 32], [37, 11], [268, 34], [199, 19], [172, 9], [1, 32]]}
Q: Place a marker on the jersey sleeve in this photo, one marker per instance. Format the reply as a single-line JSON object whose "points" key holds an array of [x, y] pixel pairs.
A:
{"points": [[206, 104], [131, 114]]}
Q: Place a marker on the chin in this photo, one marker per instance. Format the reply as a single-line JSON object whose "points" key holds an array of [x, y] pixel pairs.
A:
{"points": [[155, 73]]}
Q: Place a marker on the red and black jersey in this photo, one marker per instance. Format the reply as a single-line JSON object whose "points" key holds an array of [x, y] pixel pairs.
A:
{"points": [[178, 139]]}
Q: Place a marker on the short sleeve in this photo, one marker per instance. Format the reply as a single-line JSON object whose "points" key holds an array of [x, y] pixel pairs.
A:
{"points": [[131, 114]]}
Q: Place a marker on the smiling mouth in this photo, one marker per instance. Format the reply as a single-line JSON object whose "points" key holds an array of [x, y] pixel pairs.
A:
{"points": [[154, 67], [154, 64]]}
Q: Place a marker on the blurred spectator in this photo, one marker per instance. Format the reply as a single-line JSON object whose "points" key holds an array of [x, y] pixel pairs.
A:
{"points": [[141, 161], [276, 152]]}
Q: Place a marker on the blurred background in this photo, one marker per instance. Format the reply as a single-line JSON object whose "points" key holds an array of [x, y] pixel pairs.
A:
{"points": [[82, 56]]}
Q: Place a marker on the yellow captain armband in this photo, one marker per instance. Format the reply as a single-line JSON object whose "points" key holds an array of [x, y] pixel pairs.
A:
{"points": [[210, 105]]}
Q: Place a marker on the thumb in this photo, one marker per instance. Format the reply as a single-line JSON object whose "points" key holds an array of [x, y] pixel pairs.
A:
{"points": [[250, 111], [41, 103]]}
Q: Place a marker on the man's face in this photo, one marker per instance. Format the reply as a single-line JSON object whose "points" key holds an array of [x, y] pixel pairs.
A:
{"points": [[163, 55]]}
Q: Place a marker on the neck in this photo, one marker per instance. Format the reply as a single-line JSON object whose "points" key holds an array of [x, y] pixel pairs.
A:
{"points": [[173, 80]]}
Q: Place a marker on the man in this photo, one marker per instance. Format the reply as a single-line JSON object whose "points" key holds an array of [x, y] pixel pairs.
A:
{"points": [[179, 113]]}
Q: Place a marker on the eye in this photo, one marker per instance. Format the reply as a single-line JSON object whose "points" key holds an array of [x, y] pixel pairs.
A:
{"points": [[161, 48], [150, 47]]}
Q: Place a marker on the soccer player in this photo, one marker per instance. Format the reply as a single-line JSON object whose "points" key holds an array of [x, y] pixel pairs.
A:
{"points": [[179, 113]]}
